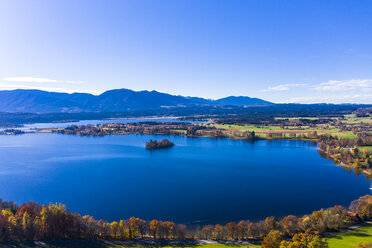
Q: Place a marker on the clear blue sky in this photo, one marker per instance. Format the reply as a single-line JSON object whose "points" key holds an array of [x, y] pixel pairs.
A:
{"points": [[282, 51]]}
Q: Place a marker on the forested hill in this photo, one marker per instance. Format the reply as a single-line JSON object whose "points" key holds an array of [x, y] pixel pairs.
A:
{"points": [[37, 101]]}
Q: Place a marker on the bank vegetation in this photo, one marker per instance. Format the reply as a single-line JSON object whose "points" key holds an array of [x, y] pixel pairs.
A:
{"points": [[32, 221]]}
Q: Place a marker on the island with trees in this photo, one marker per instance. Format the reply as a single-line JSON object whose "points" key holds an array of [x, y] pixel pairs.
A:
{"points": [[154, 144]]}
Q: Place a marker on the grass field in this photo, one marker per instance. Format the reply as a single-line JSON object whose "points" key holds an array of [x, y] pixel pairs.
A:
{"points": [[352, 119], [368, 148], [351, 239], [296, 118], [262, 131], [248, 127]]}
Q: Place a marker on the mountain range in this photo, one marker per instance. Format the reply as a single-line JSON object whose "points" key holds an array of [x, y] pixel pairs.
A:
{"points": [[118, 100]]}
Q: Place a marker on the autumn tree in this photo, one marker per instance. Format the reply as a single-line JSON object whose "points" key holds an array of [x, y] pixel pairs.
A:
{"points": [[231, 229], [142, 227], [290, 224], [252, 230], [133, 224], [365, 245], [167, 229], [32, 208], [154, 228], [305, 240], [123, 230], [181, 231], [242, 229], [206, 231], [272, 240], [115, 229], [55, 221], [367, 211], [360, 206], [269, 224], [218, 232]]}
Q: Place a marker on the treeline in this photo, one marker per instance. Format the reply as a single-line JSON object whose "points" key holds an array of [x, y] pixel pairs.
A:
{"points": [[228, 114], [331, 219], [156, 128], [345, 151], [266, 114], [363, 112], [11, 131], [32, 221]]}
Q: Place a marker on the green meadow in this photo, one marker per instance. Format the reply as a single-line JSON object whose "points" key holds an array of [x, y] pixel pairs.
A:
{"points": [[351, 239]]}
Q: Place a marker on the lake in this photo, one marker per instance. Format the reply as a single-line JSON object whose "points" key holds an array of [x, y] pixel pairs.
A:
{"points": [[200, 180]]}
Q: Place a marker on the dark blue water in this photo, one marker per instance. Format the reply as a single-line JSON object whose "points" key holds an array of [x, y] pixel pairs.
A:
{"points": [[200, 179]]}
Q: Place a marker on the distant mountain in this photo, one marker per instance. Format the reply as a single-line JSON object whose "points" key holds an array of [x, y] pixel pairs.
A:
{"points": [[34, 101], [124, 99], [120, 100], [200, 100], [241, 101]]}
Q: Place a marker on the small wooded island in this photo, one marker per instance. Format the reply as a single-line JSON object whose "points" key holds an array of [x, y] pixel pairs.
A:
{"points": [[154, 144]]}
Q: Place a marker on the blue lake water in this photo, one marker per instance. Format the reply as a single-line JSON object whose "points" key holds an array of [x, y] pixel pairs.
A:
{"points": [[199, 180]]}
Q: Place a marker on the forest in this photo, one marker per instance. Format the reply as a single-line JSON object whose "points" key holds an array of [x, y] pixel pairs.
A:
{"points": [[32, 221], [225, 113]]}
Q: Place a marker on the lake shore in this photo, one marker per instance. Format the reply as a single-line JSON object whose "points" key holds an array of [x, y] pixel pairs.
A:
{"points": [[203, 130]]}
